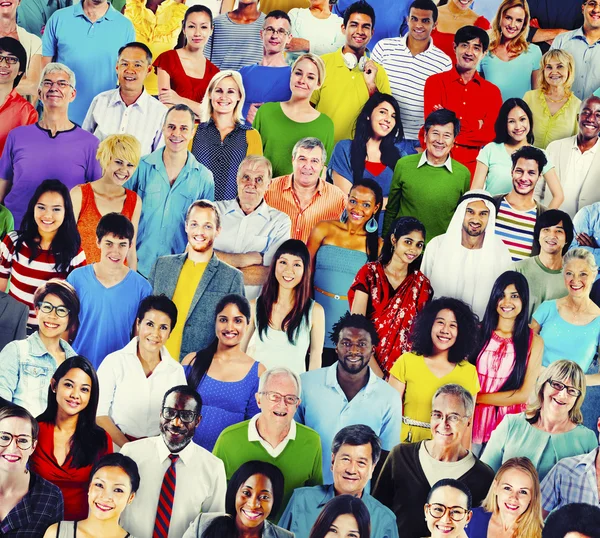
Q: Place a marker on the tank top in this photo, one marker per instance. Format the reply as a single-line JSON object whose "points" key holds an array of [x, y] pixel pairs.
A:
{"points": [[68, 529]]}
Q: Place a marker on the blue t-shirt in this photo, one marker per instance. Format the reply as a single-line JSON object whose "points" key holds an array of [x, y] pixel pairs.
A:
{"points": [[264, 84]]}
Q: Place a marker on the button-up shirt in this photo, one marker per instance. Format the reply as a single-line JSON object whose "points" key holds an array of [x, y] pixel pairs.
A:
{"points": [[587, 221], [425, 160], [577, 170]]}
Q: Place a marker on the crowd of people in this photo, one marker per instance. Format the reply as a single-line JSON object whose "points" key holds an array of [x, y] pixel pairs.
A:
{"points": [[277, 268]]}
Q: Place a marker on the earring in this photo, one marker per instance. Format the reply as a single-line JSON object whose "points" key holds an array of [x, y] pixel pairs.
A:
{"points": [[371, 225], [344, 217]]}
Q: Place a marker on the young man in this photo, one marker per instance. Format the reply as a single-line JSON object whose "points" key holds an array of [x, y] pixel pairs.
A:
{"points": [[109, 292]]}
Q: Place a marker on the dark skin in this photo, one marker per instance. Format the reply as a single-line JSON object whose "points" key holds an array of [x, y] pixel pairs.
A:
{"points": [[175, 433]]}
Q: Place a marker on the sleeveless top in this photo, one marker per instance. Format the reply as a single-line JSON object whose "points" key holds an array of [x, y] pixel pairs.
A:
{"points": [[68, 529], [90, 216]]}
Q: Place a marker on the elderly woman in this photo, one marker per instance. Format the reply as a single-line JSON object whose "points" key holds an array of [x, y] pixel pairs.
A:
{"points": [[404, 482]]}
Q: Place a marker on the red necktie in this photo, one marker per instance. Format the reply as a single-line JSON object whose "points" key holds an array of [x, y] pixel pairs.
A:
{"points": [[165, 501]]}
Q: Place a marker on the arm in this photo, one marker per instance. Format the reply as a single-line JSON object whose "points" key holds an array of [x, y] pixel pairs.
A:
{"points": [[546, 34], [398, 385], [317, 337], [555, 187], [170, 97], [394, 199], [52, 531], [29, 83], [3, 284], [360, 303], [240, 261], [341, 182], [535, 326], [227, 6], [297, 44], [9, 370], [251, 327], [135, 220], [535, 81], [110, 427], [4, 188], [76, 200], [21, 329], [315, 240], [480, 175], [385, 484], [493, 454]]}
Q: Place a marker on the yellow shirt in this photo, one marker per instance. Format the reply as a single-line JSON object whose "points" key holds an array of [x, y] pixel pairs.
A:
{"points": [[189, 278], [285, 5]]}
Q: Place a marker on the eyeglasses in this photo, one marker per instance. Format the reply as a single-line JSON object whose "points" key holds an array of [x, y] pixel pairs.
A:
{"points": [[10, 60], [571, 391], [275, 397], [280, 32], [186, 416], [62, 84], [452, 418], [438, 511], [24, 442], [47, 308]]}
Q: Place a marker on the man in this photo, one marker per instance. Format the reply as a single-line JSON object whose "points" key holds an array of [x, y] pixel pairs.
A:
{"points": [[274, 436], [475, 101], [348, 392], [465, 261], [409, 61], [109, 292], [412, 468], [573, 521], [269, 80], [355, 452], [551, 18], [427, 186], [13, 319], [587, 229], [251, 230], [517, 211], [584, 45], [129, 108], [304, 195], [172, 461], [168, 180], [552, 235], [196, 281], [52, 148], [352, 77], [87, 36], [32, 15]]}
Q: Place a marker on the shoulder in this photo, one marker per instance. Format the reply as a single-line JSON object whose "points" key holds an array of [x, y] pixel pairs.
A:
{"points": [[43, 490], [306, 434], [314, 378], [377, 510], [226, 270], [234, 431], [141, 449], [84, 137]]}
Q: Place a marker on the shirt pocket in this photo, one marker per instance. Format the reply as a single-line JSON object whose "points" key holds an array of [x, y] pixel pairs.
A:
{"points": [[151, 195], [34, 378]]}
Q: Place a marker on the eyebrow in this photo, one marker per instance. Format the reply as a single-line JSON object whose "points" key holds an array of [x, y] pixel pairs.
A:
{"points": [[66, 378]]}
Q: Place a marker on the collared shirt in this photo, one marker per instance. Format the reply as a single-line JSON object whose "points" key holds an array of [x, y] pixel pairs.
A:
{"points": [[577, 170], [34, 14], [200, 486], [14, 112], [253, 435], [327, 204], [587, 220], [377, 405], [425, 160], [108, 115], [162, 223]]}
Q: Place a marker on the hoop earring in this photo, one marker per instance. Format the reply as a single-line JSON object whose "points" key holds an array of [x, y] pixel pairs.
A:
{"points": [[372, 225], [344, 217]]}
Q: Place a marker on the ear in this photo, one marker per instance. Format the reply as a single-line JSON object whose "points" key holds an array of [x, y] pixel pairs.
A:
{"points": [[332, 460], [131, 497], [53, 387], [257, 396]]}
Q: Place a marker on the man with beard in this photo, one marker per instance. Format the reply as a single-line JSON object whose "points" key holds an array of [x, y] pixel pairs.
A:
{"points": [[195, 281], [348, 392], [180, 479]]}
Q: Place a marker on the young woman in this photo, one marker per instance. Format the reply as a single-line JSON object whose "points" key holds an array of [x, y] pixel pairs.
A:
{"points": [[225, 377], [26, 366], [509, 359], [118, 156], [47, 245], [286, 323], [344, 516], [442, 339], [114, 482], [391, 291], [448, 509], [69, 442]]}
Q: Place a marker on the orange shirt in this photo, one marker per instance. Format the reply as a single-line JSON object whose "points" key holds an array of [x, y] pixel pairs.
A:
{"points": [[15, 111]]}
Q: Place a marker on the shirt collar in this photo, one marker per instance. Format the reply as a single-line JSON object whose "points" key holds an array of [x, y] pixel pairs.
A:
{"points": [[109, 15], [592, 150], [588, 462], [233, 206], [404, 41], [328, 494], [424, 160], [332, 381], [156, 159], [186, 455], [289, 183], [37, 347], [141, 102], [456, 76], [253, 434]]}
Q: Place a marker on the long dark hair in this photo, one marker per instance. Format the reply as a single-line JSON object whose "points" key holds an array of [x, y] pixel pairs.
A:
{"points": [[193, 9], [338, 506], [363, 132], [204, 357], [89, 439], [372, 237], [501, 125], [400, 227], [264, 304], [66, 243]]}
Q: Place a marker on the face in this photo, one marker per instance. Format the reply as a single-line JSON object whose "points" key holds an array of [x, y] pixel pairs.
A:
{"points": [[119, 170], [254, 501], [56, 90], [589, 119], [252, 183], [201, 228], [553, 238], [178, 130], [476, 218], [8, 71], [13, 458], [445, 526], [109, 493], [361, 205], [510, 305], [579, 278], [512, 22], [358, 31], [383, 120], [231, 325], [8, 8], [197, 29], [307, 164], [289, 270], [49, 212], [407, 248], [275, 35], [439, 140], [279, 414], [132, 69], [73, 391], [354, 349], [225, 96], [113, 249], [352, 468], [344, 526], [558, 402], [468, 54], [448, 421], [444, 330], [153, 331], [591, 15], [518, 125], [463, 5], [305, 79], [175, 433], [52, 325], [513, 492], [556, 73], [420, 24], [525, 176]]}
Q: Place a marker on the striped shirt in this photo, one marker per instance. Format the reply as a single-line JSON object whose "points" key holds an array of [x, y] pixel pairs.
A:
{"points": [[515, 228], [407, 75], [26, 276]]}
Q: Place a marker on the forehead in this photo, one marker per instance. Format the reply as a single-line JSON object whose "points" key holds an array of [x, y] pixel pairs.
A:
{"points": [[57, 75], [577, 264], [276, 23], [354, 333], [592, 104], [113, 474], [202, 214], [527, 163], [281, 383], [446, 314], [51, 197], [16, 426], [6, 53], [446, 128], [448, 403], [475, 42], [449, 496], [197, 18], [516, 11], [516, 477], [516, 112], [178, 400], [254, 169], [226, 83], [478, 206], [312, 153], [133, 53], [291, 258], [79, 376], [115, 239], [307, 66], [362, 193], [358, 451], [53, 299], [421, 13], [178, 117], [359, 18]]}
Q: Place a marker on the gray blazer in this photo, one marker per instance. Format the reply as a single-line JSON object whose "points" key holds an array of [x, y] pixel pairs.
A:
{"points": [[13, 320], [199, 525], [219, 279]]}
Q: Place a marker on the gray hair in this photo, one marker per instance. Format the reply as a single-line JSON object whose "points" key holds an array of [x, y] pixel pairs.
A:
{"points": [[357, 435], [282, 370], [54, 67], [460, 392], [254, 161], [580, 254], [309, 143]]}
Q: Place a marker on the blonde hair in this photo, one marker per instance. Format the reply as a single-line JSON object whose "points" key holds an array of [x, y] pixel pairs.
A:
{"points": [[316, 60], [119, 146], [518, 44], [206, 108], [562, 56], [529, 524]]}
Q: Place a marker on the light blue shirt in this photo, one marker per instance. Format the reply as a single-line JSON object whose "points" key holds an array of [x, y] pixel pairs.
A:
{"points": [[587, 221], [90, 49], [162, 223], [325, 409]]}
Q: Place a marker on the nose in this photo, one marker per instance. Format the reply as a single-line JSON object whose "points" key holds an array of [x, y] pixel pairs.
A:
{"points": [[446, 517], [254, 501], [177, 422]]}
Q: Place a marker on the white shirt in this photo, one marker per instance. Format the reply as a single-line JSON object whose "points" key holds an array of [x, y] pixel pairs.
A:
{"points": [[253, 435], [425, 160], [131, 399], [144, 119], [200, 486], [577, 169]]}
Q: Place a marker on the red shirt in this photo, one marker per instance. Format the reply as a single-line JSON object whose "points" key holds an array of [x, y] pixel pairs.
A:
{"points": [[15, 111]]}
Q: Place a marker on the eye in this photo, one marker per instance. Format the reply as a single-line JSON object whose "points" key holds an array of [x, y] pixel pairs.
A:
{"points": [[118, 490], [85, 389]]}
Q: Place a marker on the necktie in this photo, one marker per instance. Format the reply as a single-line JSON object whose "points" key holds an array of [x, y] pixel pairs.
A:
{"points": [[165, 501]]}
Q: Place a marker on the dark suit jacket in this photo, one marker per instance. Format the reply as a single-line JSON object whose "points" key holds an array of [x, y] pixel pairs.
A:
{"points": [[13, 320]]}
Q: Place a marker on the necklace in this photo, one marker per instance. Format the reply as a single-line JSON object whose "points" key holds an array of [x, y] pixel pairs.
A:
{"points": [[554, 101]]}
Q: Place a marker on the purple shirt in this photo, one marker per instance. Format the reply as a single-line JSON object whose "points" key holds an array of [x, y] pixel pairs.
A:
{"points": [[32, 154]]}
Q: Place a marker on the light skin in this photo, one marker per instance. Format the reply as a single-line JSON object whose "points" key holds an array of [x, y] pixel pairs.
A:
{"points": [[178, 130], [475, 223], [420, 25], [318, 9], [556, 75], [307, 166], [591, 21], [552, 241], [468, 56], [132, 70], [513, 491], [358, 32], [52, 327], [352, 468], [224, 98], [56, 101], [111, 269], [554, 415], [303, 82], [8, 73], [445, 526], [525, 175], [454, 15], [439, 140], [201, 228], [344, 526]]}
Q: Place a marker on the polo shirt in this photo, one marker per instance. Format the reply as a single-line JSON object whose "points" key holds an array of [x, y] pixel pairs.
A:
{"points": [[264, 84], [14, 112], [376, 405], [90, 49], [34, 14]]}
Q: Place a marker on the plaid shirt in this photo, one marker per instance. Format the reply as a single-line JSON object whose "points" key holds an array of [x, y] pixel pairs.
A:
{"points": [[41, 507]]}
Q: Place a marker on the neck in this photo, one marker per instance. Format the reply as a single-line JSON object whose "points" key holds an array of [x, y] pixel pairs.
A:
{"points": [[226, 352], [248, 208], [105, 527], [200, 257], [8, 25], [551, 423], [556, 92], [276, 59], [148, 358], [108, 186], [14, 481], [286, 296], [470, 242], [591, 34], [46, 239], [436, 160], [466, 74], [578, 303], [5, 90], [506, 520], [321, 6], [109, 270], [416, 47], [55, 119], [51, 344], [130, 96], [551, 261], [351, 383], [397, 267], [585, 143], [172, 158], [247, 10], [448, 454], [65, 423], [505, 327], [359, 53], [522, 202], [514, 145], [272, 434], [454, 10], [95, 11], [196, 52], [245, 532], [223, 121], [304, 191], [299, 103]]}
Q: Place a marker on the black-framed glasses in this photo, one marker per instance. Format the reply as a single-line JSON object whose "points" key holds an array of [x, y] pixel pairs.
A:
{"points": [[47, 308], [571, 391], [452, 418], [62, 84], [275, 397], [438, 511], [24, 442], [281, 32], [184, 415], [9, 60]]}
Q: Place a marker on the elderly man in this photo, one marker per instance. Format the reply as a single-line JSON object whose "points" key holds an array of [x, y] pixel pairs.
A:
{"points": [[251, 230], [52, 148], [129, 108], [274, 436], [355, 452], [172, 461], [304, 195], [411, 469]]}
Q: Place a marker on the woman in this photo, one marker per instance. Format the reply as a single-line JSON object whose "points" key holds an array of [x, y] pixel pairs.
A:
{"points": [[46, 245], [551, 428], [184, 73], [345, 516], [448, 509], [339, 248], [26, 366], [225, 377], [511, 63], [509, 358], [29, 503], [134, 379], [222, 140], [391, 291], [254, 492], [69, 442], [286, 323], [118, 156], [114, 482], [512, 508], [281, 125], [513, 127], [442, 339], [553, 104]]}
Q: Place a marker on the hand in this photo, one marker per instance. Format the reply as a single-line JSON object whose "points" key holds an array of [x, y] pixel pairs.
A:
{"points": [[438, 107], [252, 112], [297, 44], [480, 123], [370, 73], [587, 241], [168, 97]]}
